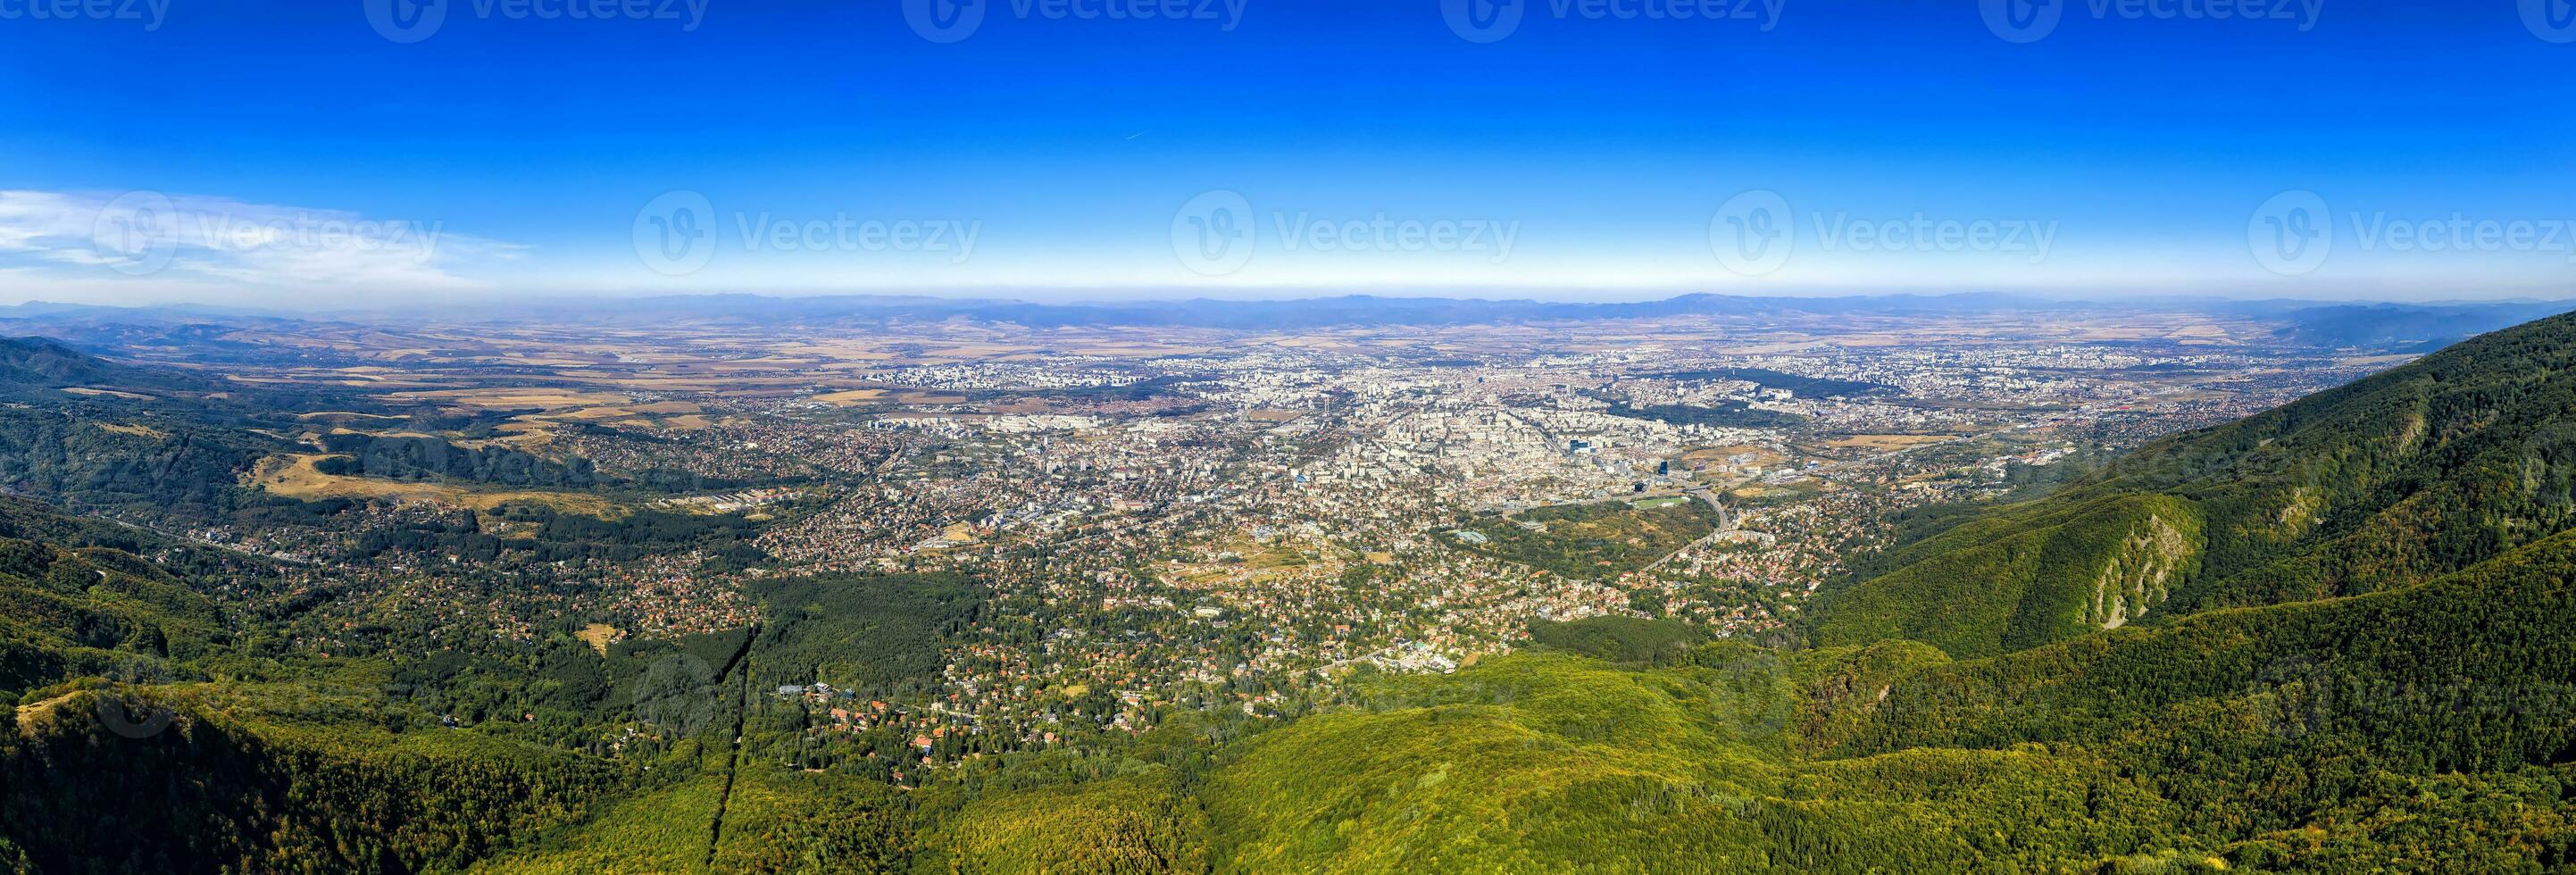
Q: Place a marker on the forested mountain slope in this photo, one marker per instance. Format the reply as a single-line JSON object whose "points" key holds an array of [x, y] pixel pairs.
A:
{"points": [[81, 602], [2422, 728], [192, 779], [44, 363], [2393, 480], [2274, 719], [143, 729], [176, 447]]}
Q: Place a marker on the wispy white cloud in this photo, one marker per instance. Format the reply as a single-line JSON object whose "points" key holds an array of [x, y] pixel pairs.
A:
{"points": [[148, 245]]}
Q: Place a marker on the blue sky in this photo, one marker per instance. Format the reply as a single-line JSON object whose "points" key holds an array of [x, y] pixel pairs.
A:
{"points": [[295, 154]]}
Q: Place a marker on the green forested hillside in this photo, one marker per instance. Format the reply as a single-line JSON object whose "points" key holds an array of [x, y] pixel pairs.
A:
{"points": [[174, 447], [878, 635], [140, 732], [2035, 574], [121, 458], [142, 442], [1601, 539], [1554, 763], [2317, 703], [2390, 481], [773, 821], [80, 602], [414, 458], [1127, 824], [171, 780], [33, 363]]}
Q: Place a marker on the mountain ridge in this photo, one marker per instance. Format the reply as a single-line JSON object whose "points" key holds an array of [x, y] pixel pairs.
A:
{"points": [[2331, 324], [2394, 479]]}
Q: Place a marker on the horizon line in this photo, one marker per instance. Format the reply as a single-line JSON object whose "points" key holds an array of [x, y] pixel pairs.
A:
{"points": [[1011, 295]]}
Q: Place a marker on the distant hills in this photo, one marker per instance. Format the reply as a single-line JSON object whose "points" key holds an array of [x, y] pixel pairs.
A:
{"points": [[38, 362], [2411, 326], [2407, 327], [1308, 313], [146, 441]]}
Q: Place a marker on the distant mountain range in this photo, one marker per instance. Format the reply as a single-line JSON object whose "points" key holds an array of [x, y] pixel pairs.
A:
{"points": [[2402, 326], [2324, 324], [45, 363]]}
